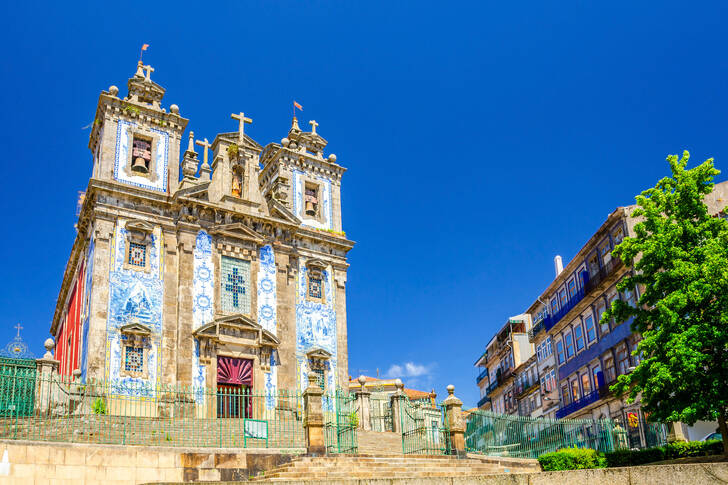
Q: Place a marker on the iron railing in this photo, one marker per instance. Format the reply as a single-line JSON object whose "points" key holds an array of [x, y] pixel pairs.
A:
{"points": [[593, 281], [483, 374], [524, 437], [132, 412], [424, 429], [583, 401], [341, 420]]}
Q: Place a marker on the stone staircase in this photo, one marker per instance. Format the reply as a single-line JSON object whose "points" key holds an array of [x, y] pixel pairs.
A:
{"points": [[379, 443], [392, 466]]}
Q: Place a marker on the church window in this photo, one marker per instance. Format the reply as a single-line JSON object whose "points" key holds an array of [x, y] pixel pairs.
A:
{"points": [[314, 287], [321, 377], [137, 254], [235, 285], [141, 155], [311, 199], [134, 360]]}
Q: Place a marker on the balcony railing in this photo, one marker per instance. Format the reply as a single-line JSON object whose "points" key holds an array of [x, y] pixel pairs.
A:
{"points": [[597, 278], [523, 387], [554, 318], [483, 374], [590, 398], [533, 331], [483, 400]]}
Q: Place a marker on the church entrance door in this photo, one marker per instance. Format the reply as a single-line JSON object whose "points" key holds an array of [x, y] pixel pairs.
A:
{"points": [[234, 386]]}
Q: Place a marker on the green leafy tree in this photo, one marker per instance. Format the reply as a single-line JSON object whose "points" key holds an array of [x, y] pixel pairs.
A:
{"points": [[680, 259]]}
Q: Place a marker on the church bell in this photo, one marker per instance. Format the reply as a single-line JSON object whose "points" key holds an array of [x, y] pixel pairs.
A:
{"points": [[139, 165], [310, 208]]}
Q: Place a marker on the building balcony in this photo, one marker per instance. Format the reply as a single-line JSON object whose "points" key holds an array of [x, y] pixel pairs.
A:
{"points": [[483, 400], [550, 321], [483, 374], [525, 387], [533, 331], [580, 403], [595, 280]]}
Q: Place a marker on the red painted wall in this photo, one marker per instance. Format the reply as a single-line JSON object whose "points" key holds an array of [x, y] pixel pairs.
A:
{"points": [[68, 338]]}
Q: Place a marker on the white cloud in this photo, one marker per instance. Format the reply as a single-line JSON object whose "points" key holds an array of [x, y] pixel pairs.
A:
{"points": [[409, 369]]}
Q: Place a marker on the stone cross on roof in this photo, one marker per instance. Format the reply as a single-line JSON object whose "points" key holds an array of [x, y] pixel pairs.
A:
{"points": [[313, 126], [241, 125], [205, 144], [149, 70], [19, 327]]}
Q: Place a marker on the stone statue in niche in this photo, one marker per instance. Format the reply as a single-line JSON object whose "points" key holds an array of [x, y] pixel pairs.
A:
{"points": [[237, 185]]}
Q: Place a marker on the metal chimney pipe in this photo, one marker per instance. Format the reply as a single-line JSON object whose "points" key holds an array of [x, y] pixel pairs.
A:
{"points": [[558, 265]]}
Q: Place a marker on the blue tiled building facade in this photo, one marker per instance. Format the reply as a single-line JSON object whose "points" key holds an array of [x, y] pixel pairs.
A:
{"points": [[223, 267]]}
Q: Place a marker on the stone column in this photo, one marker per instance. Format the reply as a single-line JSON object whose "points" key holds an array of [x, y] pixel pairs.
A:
{"points": [[313, 421], [363, 398], [455, 422], [396, 402], [47, 371]]}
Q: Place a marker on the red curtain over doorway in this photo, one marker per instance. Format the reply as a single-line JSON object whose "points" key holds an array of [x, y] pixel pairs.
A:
{"points": [[234, 371]]}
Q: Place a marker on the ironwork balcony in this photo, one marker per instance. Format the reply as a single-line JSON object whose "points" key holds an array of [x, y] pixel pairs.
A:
{"points": [[590, 398], [533, 331], [483, 400], [483, 374], [524, 387], [593, 281]]}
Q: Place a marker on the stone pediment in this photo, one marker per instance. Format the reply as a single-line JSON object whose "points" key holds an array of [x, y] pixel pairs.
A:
{"points": [[232, 137], [238, 231], [318, 353], [136, 225], [135, 329], [279, 210], [237, 329]]}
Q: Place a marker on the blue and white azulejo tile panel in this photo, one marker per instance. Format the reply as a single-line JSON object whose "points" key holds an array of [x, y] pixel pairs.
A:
{"points": [[267, 289], [203, 295], [298, 184], [134, 297], [161, 154], [315, 324], [86, 316]]}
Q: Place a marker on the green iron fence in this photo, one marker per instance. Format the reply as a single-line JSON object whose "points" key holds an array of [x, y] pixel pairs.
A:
{"points": [[341, 419], [17, 387], [424, 429], [134, 413], [525, 437]]}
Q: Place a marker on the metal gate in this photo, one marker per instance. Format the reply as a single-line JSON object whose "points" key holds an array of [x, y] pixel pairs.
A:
{"points": [[17, 387], [424, 428], [380, 412], [341, 419]]}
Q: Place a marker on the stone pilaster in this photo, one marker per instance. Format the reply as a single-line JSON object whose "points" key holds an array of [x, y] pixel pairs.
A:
{"points": [[363, 398], [286, 279], [342, 351], [455, 421], [171, 309], [186, 263], [313, 421], [397, 402], [103, 236]]}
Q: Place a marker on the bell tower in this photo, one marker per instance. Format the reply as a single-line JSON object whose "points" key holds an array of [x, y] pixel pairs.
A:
{"points": [[297, 176], [134, 140]]}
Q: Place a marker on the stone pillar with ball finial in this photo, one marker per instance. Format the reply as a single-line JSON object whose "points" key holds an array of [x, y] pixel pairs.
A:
{"points": [[455, 422], [313, 421], [47, 372], [363, 398]]}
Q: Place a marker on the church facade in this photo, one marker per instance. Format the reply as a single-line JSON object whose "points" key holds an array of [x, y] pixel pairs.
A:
{"points": [[225, 268]]}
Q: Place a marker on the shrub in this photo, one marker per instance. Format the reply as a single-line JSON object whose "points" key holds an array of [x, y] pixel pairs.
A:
{"points": [[671, 451], [98, 406], [572, 459]]}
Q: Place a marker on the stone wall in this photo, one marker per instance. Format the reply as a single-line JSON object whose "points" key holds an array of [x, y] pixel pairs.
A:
{"points": [[30, 463]]}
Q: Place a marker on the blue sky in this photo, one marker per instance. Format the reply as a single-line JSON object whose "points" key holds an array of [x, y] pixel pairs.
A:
{"points": [[481, 139]]}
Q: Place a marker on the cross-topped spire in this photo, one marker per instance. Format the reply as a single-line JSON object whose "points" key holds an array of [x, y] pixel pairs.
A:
{"points": [[241, 125], [19, 327], [313, 126], [206, 145]]}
